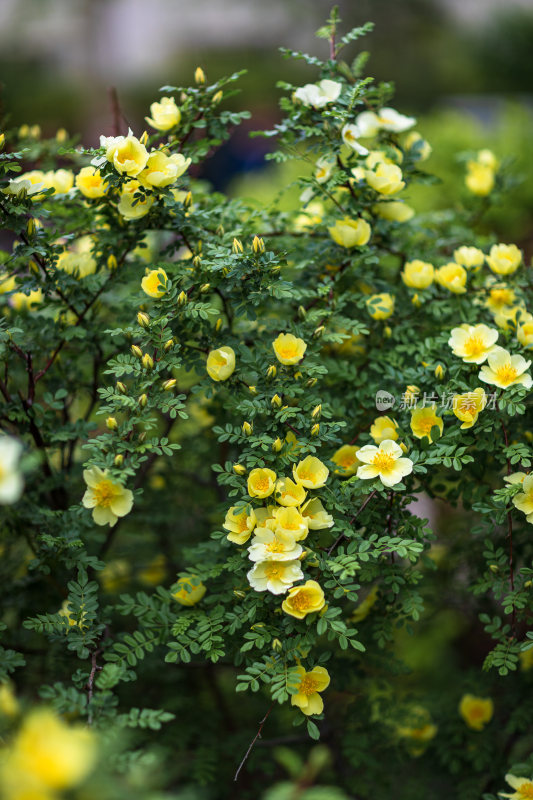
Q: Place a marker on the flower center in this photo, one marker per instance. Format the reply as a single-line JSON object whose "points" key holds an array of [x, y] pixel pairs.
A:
{"points": [[273, 570], [477, 712], [426, 424], [474, 346], [300, 601], [308, 686], [262, 484], [383, 461], [275, 546], [105, 492], [242, 522], [526, 789], [506, 374], [289, 351]]}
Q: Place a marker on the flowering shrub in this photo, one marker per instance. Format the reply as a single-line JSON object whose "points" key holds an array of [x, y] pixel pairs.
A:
{"points": [[224, 427]]}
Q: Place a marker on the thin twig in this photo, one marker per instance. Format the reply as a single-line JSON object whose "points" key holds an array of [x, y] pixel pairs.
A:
{"points": [[252, 743], [359, 510]]}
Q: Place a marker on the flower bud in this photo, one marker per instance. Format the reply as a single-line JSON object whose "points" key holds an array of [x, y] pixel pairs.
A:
{"points": [[217, 97], [247, 428], [297, 375], [111, 423], [168, 385], [182, 298], [24, 131], [33, 267], [238, 469], [205, 288], [30, 227], [2, 140], [142, 437], [218, 324], [439, 372], [387, 331], [277, 444], [219, 230], [252, 389], [317, 333], [61, 135], [258, 245], [494, 568], [143, 319], [122, 388], [137, 352], [118, 460], [111, 263], [143, 399], [147, 361], [275, 268], [317, 411], [302, 313], [311, 382], [416, 301], [271, 371], [237, 247], [528, 584], [144, 138], [239, 593], [315, 430], [168, 345], [35, 131], [197, 260], [187, 203], [276, 645], [199, 76], [276, 401]]}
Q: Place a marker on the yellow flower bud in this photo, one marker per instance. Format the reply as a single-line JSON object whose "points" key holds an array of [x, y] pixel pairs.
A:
{"points": [[271, 371], [122, 388], [35, 131], [276, 645], [247, 428], [528, 584], [238, 469], [118, 460], [147, 361], [219, 230], [316, 412], [217, 97], [144, 138], [2, 140], [311, 382], [112, 263], [302, 313], [143, 319], [182, 298], [218, 324], [137, 352], [297, 375], [237, 247], [277, 445], [239, 593], [318, 331], [199, 76], [258, 245], [188, 200], [205, 288], [142, 436], [30, 227], [315, 430], [276, 401], [168, 385], [111, 423], [439, 372], [24, 131], [61, 135], [196, 261], [387, 331], [143, 399], [494, 568], [168, 345], [252, 389]]}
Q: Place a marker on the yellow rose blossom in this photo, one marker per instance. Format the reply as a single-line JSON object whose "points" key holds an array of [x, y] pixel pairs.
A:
{"points": [[108, 499], [154, 283], [189, 590], [526, 661], [350, 232], [289, 521], [469, 257], [21, 301], [30, 183], [90, 183], [60, 180], [476, 711], [383, 428], [466, 407], [423, 420], [479, 178], [269, 545], [364, 608], [418, 274], [315, 515], [289, 349], [418, 732], [276, 577], [65, 611], [7, 283], [79, 259], [385, 179], [499, 296], [523, 501], [509, 317], [154, 572], [303, 600], [289, 493], [310, 472], [220, 363], [524, 333], [473, 343], [165, 114], [393, 211], [318, 94], [488, 159], [162, 170], [506, 370], [385, 462], [452, 276], [133, 204], [523, 788], [9, 706], [346, 460], [380, 306], [240, 523], [126, 153], [423, 147], [261, 482], [504, 259], [307, 698]]}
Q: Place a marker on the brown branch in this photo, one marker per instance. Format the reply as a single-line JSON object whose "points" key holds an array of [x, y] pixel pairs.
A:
{"points": [[252, 743], [352, 520]]}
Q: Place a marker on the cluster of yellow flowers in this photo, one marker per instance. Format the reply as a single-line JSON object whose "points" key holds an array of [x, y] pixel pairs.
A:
{"points": [[476, 344]]}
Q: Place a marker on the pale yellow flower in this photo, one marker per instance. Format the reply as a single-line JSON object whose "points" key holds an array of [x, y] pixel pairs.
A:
{"points": [[311, 683], [499, 297], [165, 114], [479, 178], [350, 232], [523, 501], [315, 515], [505, 370], [318, 94], [240, 522], [452, 276], [350, 136], [108, 499], [220, 363], [383, 428], [289, 349], [133, 204], [261, 482], [523, 787], [423, 420], [526, 660], [276, 577], [7, 283], [469, 257], [310, 472], [79, 259], [163, 170], [385, 179], [394, 211], [423, 147], [303, 600], [346, 460], [290, 522], [21, 301], [126, 153], [385, 462], [504, 259], [524, 333], [466, 407], [269, 545], [418, 274], [90, 183], [11, 481], [154, 283], [289, 493], [476, 711], [60, 180], [189, 590], [380, 306], [473, 343], [324, 168]]}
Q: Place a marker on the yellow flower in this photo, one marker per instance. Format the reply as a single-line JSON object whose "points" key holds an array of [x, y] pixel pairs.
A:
{"points": [[9, 706], [276, 577], [524, 333], [30, 183], [288, 348], [364, 608], [523, 786], [452, 276], [418, 274], [311, 683], [21, 301], [385, 462], [526, 660], [523, 501], [115, 575], [318, 94], [479, 178], [240, 523], [303, 600], [7, 283], [350, 232], [220, 363], [423, 420], [394, 211], [488, 159], [346, 459], [261, 482], [469, 257], [324, 168], [504, 259], [11, 482], [269, 545], [499, 297], [90, 183], [380, 306], [289, 493], [154, 572], [154, 284], [310, 472], [290, 522], [509, 317], [108, 499], [505, 370], [423, 148], [315, 515], [476, 711], [466, 407], [165, 114], [350, 136], [385, 179], [47, 756], [61, 180], [65, 611], [162, 170], [133, 204], [383, 428], [126, 153], [79, 260], [189, 590], [473, 343]]}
